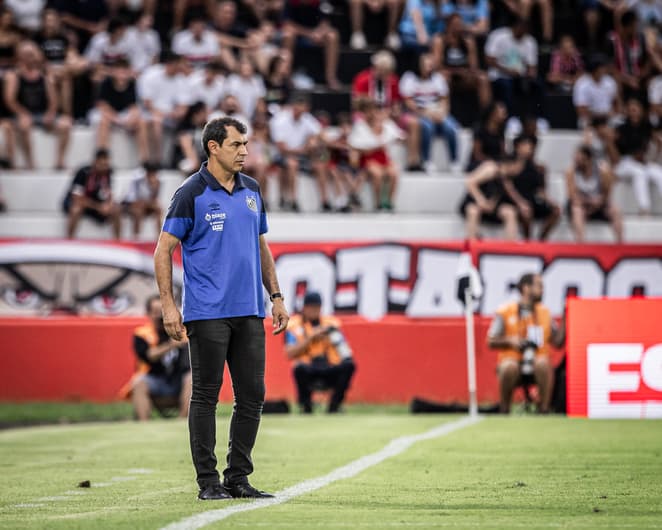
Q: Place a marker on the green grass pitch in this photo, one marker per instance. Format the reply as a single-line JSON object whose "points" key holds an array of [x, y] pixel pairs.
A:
{"points": [[504, 472]]}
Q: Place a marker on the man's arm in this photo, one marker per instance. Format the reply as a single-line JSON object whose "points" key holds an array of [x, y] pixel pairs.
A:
{"points": [[497, 340], [270, 281], [172, 318]]}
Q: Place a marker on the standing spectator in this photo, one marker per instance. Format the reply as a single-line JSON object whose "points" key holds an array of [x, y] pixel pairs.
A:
{"points": [[357, 9], [91, 194], [320, 354], [528, 190], [188, 152], [165, 369], [306, 25], [117, 106], [30, 94], [199, 45], [487, 201], [159, 89], [371, 136], [488, 139], [474, 15], [27, 14], [426, 96], [142, 198], [512, 57], [109, 46], [459, 62], [84, 18], [630, 55], [566, 65], [420, 24], [246, 86], [589, 186], [9, 39], [295, 132], [379, 83], [595, 93], [147, 40], [64, 61], [633, 139]]}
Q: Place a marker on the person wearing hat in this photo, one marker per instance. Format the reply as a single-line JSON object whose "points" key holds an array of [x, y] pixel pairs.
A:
{"points": [[321, 356]]}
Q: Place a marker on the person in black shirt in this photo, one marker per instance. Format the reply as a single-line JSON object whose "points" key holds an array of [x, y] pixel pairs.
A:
{"points": [[91, 194], [85, 18], [527, 190], [488, 140], [118, 106], [632, 140], [164, 365]]}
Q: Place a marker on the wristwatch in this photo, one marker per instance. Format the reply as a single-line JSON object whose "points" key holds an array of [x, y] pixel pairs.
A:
{"points": [[273, 296]]}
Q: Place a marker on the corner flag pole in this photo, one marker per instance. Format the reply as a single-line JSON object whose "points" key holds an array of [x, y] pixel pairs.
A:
{"points": [[471, 348]]}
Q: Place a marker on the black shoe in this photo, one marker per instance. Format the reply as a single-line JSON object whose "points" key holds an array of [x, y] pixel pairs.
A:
{"points": [[294, 207], [415, 167], [326, 207], [213, 493], [243, 490]]}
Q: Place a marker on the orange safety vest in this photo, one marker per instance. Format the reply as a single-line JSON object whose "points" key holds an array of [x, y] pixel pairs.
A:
{"points": [[148, 333], [301, 330], [538, 324]]}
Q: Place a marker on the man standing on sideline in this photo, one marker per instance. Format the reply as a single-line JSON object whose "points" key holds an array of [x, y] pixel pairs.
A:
{"points": [[218, 216]]}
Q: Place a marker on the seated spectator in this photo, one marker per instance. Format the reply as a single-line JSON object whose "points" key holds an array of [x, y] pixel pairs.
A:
{"points": [[306, 25], [633, 139], [371, 135], [206, 85], [159, 90], [488, 139], [10, 37], [474, 15], [343, 162], [27, 14], [420, 25], [91, 194], [566, 65], [295, 132], [9, 141], [278, 82], [512, 56], [86, 19], [247, 87], [527, 189], [117, 106], [182, 10], [147, 40], [107, 47], [380, 83], [595, 93], [142, 198], [655, 100], [260, 155], [523, 8], [30, 94], [359, 8], [64, 61], [199, 45], [459, 62], [426, 97], [589, 186], [630, 55], [592, 16], [486, 200], [322, 358], [230, 107], [189, 152], [165, 369], [522, 332]]}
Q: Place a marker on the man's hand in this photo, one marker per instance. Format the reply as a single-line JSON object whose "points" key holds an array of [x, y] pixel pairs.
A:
{"points": [[281, 317], [525, 210], [172, 321]]}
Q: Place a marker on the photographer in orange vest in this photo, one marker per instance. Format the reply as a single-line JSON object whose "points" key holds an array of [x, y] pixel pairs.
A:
{"points": [[523, 332]]}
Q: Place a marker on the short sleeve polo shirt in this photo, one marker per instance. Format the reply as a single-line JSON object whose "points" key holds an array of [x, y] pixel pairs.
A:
{"points": [[219, 232]]}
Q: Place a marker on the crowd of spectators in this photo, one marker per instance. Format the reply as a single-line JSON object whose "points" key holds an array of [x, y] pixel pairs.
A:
{"points": [[159, 70]]}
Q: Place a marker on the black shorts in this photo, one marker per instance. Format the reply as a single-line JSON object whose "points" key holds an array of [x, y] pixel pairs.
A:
{"points": [[597, 215], [89, 212], [488, 218], [542, 209]]}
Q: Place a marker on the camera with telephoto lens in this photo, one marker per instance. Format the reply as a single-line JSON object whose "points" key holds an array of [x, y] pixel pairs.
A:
{"points": [[528, 349]]}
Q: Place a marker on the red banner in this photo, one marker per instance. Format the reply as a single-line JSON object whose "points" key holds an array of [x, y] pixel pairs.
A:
{"points": [[614, 359]]}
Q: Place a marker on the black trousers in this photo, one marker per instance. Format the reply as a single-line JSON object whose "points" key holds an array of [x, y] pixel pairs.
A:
{"points": [[310, 377], [240, 342]]}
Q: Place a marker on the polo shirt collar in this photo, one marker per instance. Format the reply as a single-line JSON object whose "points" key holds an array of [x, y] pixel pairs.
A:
{"points": [[239, 180]]}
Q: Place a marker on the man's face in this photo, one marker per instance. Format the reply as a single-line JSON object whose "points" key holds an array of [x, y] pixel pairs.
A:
{"points": [[311, 312], [51, 20], [197, 27], [232, 154], [122, 74], [536, 289], [155, 314], [634, 111], [298, 109], [525, 150], [226, 13], [102, 164]]}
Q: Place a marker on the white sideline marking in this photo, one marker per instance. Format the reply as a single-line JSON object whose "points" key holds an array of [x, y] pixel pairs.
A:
{"points": [[29, 505], [393, 448], [140, 471]]}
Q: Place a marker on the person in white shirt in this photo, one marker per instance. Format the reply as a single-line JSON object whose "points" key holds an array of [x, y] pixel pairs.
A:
{"points": [[246, 86], [426, 96], [159, 90], [296, 135], [147, 41], [206, 85], [595, 93], [27, 13], [115, 43], [198, 44], [371, 135], [512, 57], [142, 198], [655, 100]]}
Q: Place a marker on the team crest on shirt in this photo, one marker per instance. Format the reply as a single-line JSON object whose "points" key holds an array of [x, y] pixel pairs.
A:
{"points": [[251, 202]]}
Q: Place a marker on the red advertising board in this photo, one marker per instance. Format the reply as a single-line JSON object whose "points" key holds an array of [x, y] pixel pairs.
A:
{"points": [[614, 358]]}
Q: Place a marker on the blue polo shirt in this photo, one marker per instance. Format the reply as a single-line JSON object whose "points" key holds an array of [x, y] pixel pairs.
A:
{"points": [[219, 232]]}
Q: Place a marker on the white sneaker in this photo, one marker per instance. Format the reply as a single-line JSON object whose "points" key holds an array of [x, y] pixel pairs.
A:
{"points": [[393, 41], [429, 167], [456, 167], [357, 41]]}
